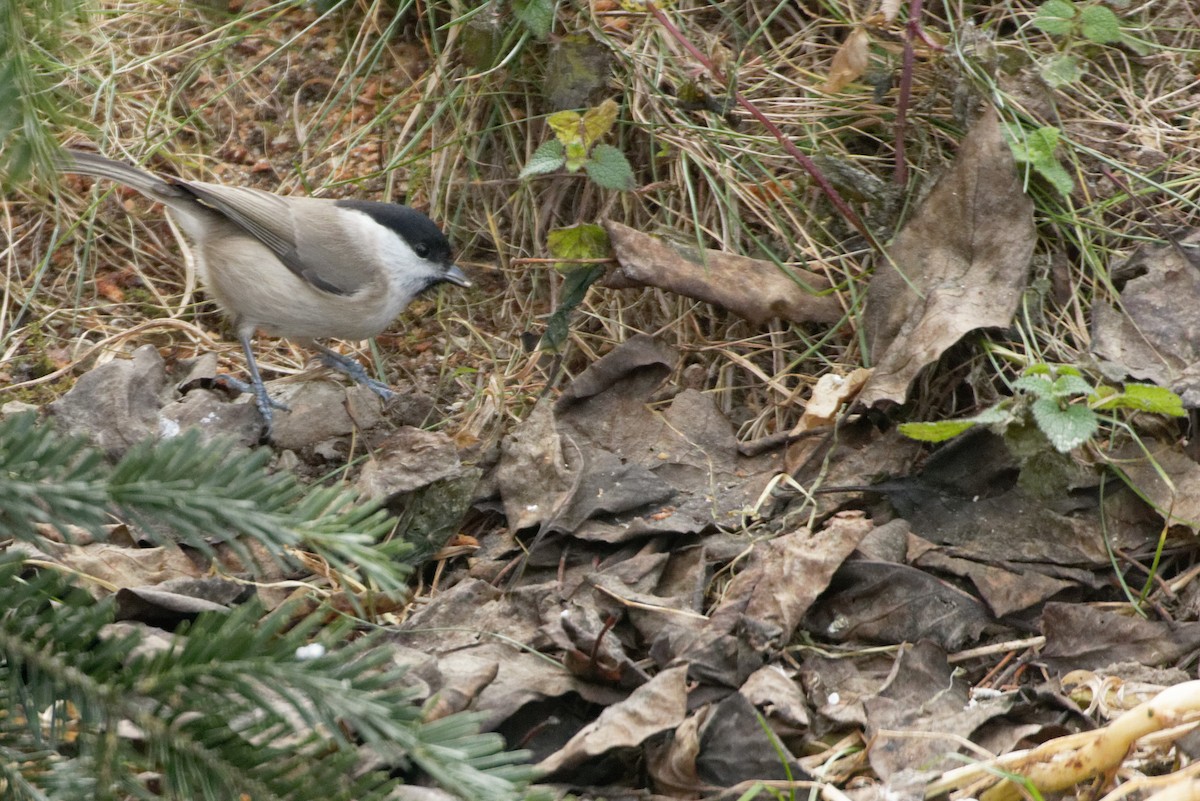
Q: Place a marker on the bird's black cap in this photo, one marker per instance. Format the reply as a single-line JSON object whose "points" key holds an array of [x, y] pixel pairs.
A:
{"points": [[420, 232]]}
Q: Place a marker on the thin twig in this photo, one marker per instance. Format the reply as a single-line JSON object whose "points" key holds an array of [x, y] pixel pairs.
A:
{"points": [[788, 145]]}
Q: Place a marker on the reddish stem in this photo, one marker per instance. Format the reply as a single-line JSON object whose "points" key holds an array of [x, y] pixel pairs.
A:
{"points": [[836, 199], [912, 31]]}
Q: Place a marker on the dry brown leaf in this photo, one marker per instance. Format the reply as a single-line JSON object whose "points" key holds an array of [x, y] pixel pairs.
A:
{"points": [[764, 604], [776, 693], [831, 393], [764, 594], [672, 764], [1005, 589], [849, 62], [656, 706], [890, 603], [1084, 637], [751, 288], [112, 567], [889, 9], [735, 750], [960, 264], [1154, 336], [829, 396], [535, 480], [1176, 499]]}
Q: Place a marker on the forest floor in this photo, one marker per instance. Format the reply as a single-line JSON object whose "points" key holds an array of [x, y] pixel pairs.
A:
{"points": [[675, 536]]}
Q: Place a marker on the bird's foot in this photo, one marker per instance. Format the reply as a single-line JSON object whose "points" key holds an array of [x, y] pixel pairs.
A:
{"points": [[264, 402], [356, 371]]}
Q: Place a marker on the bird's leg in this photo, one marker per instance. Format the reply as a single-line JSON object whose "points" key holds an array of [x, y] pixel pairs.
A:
{"points": [[353, 369], [262, 400]]}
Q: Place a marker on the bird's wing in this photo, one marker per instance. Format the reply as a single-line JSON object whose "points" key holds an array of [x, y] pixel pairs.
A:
{"points": [[272, 220]]}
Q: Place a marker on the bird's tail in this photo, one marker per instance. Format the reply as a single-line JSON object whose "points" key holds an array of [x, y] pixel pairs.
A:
{"points": [[150, 185]]}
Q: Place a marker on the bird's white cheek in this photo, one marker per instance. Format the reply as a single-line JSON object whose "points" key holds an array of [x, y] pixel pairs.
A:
{"points": [[404, 272]]}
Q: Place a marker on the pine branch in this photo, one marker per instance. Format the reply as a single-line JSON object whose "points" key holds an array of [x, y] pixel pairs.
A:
{"points": [[204, 492], [227, 711], [29, 772], [33, 460]]}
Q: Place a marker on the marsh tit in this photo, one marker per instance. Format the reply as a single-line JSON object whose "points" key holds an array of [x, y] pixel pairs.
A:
{"points": [[297, 267]]}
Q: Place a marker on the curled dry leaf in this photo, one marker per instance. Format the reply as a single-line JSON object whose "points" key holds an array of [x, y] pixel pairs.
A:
{"points": [[889, 9], [1166, 477], [831, 394], [960, 264], [751, 288], [849, 62], [1152, 335], [652, 708]]}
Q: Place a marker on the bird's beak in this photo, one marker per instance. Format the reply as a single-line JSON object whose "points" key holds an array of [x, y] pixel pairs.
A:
{"points": [[456, 276]]}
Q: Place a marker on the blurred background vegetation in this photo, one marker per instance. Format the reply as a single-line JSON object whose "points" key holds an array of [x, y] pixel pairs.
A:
{"points": [[714, 124], [444, 105]]}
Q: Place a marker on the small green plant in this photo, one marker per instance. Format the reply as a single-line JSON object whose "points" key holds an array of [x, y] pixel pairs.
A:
{"points": [[1092, 21], [1072, 23], [577, 145], [1064, 406], [579, 246], [1036, 148], [536, 15]]}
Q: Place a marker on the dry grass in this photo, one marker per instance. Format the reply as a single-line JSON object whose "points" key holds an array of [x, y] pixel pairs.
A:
{"points": [[362, 101]]}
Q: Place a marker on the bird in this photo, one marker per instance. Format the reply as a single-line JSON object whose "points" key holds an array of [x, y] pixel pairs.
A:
{"points": [[300, 268]]}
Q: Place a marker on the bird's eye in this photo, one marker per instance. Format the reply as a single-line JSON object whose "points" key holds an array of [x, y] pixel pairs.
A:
{"points": [[422, 250]]}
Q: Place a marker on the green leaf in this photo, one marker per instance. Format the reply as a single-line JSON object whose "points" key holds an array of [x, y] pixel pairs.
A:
{"points": [[1145, 398], [1068, 385], [1066, 428], [547, 158], [939, 431], [576, 283], [1098, 24], [577, 155], [567, 126], [1036, 148], [1037, 385], [598, 121], [1055, 17], [1000, 413], [578, 132], [1057, 175], [945, 429], [586, 241], [536, 15], [1061, 70], [609, 168]]}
